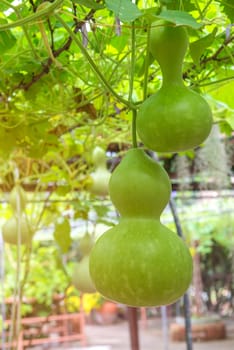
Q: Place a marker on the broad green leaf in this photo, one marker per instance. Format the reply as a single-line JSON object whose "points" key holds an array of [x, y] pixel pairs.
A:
{"points": [[90, 4], [125, 10], [230, 118], [198, 47], [228, 8], [62, 235], [225, 127], [180, 18], [119, 42], [7, 39], [185, 5], [223, 93]]}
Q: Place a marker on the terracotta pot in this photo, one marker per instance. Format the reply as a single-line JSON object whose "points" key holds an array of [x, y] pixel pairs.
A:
{"points": [[203, 329], [106, 314]]}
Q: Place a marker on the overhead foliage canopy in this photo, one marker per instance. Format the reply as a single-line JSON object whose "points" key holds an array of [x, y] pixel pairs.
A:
{"points": [[72, 71]]}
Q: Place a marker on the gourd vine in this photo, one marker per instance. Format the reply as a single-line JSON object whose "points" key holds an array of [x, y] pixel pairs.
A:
{"points": [[131, 84], [92, 63]]}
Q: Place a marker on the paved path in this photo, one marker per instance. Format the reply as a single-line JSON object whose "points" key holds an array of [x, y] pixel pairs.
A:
{"points": [[116, 337]]}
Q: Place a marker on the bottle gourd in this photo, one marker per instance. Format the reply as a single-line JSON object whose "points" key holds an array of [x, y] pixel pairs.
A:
{"points": [[17, 230], [175, 118], [140, 262], [101, 176], [80, 276]]}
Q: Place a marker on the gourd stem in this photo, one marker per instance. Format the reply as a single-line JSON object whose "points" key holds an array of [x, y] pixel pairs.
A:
{"points": [[92, 63], [146, 73], [131, 83], [133, 60], [134, 132]]}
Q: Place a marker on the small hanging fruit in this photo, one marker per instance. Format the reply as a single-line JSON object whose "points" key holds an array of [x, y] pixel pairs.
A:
{"points": [[17, 230], [140, 262], [18, 199], [100, 177], [81, 277], [175, 118], [86, 243]]}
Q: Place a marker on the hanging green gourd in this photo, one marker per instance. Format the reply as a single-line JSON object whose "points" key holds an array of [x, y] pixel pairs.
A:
{"points": [[175, 118], [17, 230], [100, 177], [86, 243], [17, 199], [140, 262], [81, 277]]}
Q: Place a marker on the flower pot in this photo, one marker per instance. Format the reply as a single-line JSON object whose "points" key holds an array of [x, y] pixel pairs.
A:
{"points": [[203, 329], [106, 314]]}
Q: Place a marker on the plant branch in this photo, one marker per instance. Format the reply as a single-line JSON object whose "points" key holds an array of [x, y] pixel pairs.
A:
{"points": [[34, 17], [92, 63], [134, 137], [133, 61], [48, 63], [146, 70], [214, 57]]}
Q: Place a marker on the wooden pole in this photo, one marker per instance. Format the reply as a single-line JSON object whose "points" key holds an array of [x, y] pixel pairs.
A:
{"points": [[133, 327], [187, 315]]}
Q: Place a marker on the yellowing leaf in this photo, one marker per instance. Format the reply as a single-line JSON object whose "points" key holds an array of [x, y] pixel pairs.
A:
{"points": [[62, 235]]}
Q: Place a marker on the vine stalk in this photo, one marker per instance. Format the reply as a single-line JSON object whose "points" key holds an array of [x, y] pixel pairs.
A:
{"points": [[146, 73], [92, 63], [131, 84]]}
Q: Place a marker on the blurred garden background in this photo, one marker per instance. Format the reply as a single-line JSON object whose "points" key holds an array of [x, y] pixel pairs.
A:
{"points": [[73, 73]]}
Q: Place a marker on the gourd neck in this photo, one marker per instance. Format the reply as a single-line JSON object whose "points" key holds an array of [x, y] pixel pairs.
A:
{"points": [[168, 45], [172, 73]]}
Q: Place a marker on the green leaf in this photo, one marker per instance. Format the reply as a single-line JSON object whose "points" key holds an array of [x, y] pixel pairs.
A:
{"points": [[228, 8], [186, 5], [230, 118], [90, 4], [226, 128], [198, 47], [62, 235], [119, 42], [7, 39], [223, 93], [180, 18], [125, 10]]}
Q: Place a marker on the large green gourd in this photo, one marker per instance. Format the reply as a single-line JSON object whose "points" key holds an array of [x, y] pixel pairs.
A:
{"points": [[140, 262], [175, 118]]}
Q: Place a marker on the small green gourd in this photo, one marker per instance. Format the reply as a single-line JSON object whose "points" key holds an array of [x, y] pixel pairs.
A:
{"points": [[140, 262], [100, 177], [175, 118], [86, 243], [17, 230], [18, 199], [81, 276]]}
